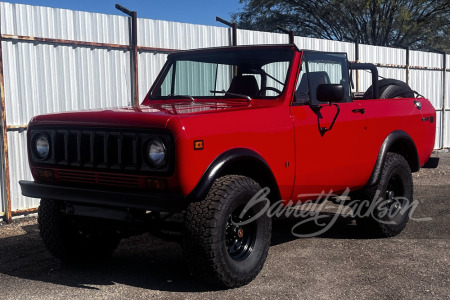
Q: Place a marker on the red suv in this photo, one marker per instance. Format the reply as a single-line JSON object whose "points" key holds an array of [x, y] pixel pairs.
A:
{"points": [[217, 127]]}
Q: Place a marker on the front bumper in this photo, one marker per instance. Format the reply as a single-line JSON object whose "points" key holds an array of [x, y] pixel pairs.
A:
{"points": [[159, 202]]}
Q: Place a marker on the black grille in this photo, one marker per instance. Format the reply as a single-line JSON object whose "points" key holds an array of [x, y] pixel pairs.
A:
{"points": [[99, 149], [103, 150]]}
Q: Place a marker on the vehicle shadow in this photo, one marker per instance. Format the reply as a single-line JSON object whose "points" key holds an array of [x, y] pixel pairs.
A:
{"points": [[143, 261], [322, 225]]}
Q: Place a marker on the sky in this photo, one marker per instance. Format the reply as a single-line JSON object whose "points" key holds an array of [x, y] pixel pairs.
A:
{"points": [[202, 12]]}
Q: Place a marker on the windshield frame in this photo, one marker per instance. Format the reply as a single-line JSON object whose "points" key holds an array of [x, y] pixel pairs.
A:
{"points": [[265, 54]]}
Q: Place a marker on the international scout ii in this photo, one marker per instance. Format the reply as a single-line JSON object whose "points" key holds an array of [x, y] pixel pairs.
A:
{"points": [[217, 126]]}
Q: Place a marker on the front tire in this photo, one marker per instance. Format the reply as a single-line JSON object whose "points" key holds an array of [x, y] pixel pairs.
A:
{"points": [[216, 247], [386, 205], [70, 242]]}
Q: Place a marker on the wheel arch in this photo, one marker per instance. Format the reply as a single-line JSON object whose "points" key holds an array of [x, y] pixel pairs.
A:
{"points": [[398, 142], [238, 161]]}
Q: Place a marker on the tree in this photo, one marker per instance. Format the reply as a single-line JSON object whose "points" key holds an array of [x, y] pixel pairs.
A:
{"points": [[419, 24]]}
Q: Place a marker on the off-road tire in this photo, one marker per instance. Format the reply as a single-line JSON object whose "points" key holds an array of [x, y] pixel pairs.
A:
{"points": [[69, 242], [391, 88], [395, 183], [206, 236]]}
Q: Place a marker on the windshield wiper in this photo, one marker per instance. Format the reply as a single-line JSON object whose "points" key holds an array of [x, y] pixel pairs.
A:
{"points": [[184, 96], [233, 94]]}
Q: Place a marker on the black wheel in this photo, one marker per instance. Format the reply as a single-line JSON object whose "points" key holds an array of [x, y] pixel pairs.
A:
{"points": [[390, 199], [70, 242], [391, 88], [216, 246]]}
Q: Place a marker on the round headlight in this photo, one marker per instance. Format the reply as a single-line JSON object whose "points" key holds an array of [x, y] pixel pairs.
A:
{"points": [[42, 146], [156, 153]]}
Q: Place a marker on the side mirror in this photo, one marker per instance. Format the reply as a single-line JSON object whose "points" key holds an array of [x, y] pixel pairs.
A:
{"points": [[330, 93]]}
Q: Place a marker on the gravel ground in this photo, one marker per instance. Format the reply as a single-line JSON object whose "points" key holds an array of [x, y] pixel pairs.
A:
{"points": [[342, 263]]}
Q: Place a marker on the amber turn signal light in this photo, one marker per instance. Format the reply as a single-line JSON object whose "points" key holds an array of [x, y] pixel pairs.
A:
{"points": [[198, 145], [157, 184], [46, 175]]}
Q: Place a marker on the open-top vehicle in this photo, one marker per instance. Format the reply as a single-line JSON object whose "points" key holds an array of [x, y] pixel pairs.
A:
{"points": [[216, 127]]}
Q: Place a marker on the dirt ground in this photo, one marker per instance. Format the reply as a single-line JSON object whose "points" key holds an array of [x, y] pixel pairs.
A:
{"points": [[342, 263]]}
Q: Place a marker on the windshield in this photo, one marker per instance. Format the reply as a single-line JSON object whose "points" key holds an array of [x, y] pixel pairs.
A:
{"points": [[245, 73]]}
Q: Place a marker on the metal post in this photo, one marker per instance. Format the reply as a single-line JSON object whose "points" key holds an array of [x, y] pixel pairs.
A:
{"points": [[233, 29], [4, 141], [357, 61], [233, 37], [289, 32], [408, 64], [444, 95], [134, 53]]}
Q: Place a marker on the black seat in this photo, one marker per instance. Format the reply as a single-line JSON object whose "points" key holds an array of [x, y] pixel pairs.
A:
{"points": [[316, 78], [245, 85]]}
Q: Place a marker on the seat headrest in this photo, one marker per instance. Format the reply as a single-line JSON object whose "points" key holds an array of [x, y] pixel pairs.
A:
{"points": [[301, 94], [315, 78], [246, 85]]}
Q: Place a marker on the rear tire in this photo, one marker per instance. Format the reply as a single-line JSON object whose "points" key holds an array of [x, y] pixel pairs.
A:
{"points": [[218, 250], [70, 242], [390, 199]]}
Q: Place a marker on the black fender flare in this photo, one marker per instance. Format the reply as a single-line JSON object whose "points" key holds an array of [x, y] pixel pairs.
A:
{"points": [[218, 167], [391, 139]]}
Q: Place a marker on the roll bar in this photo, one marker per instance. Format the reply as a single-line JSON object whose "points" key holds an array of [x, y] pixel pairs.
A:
{"points": [[374, 70]]}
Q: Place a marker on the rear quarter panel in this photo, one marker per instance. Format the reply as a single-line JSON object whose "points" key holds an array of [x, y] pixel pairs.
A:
{"points": [[387, 115]]}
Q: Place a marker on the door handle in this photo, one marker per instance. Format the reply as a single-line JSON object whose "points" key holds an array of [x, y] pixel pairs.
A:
{"points": [[359, 110]]}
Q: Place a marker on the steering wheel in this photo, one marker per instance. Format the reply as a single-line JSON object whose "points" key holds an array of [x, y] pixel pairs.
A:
{"points": [[263, 90]]}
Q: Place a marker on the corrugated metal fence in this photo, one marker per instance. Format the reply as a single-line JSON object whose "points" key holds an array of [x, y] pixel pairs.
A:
{"points": [[60, 60]]}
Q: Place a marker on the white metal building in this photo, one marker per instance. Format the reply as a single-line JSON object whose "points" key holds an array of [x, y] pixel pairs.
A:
{"points": [[58, 60]]}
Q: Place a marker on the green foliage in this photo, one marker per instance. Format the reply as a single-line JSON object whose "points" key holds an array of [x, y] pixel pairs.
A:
{"points": [[419, 24]]}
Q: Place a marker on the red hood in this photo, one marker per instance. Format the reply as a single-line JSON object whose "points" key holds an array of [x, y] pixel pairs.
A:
{"points": [[156, 114]]}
